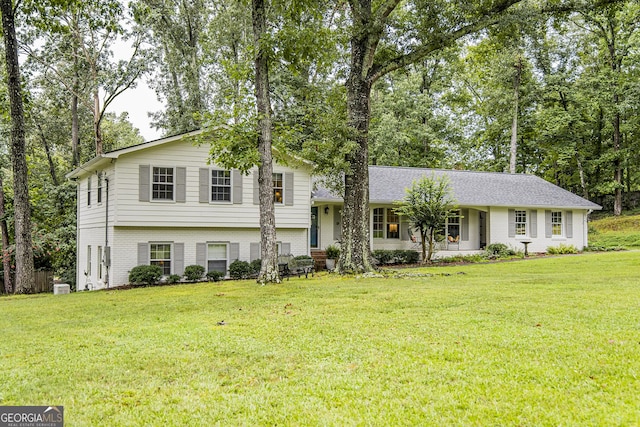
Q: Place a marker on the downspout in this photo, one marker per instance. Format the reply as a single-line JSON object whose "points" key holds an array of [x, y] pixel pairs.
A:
{"points": [[107, 251]]}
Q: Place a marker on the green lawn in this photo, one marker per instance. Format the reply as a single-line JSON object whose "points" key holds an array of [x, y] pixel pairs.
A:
{"points": [[611, 231], [546, 341]]}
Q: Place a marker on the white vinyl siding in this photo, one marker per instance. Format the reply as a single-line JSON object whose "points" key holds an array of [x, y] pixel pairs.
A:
{"points": [[131, 210]]}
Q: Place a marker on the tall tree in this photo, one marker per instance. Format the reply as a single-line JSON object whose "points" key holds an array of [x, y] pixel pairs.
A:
{"points": [[76, 50], [374, 54], [615, 28], [269, 270], [24, 282], [177, 30]]}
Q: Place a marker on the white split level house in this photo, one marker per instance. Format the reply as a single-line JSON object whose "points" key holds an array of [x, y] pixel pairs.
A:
{"points": [[162, 203]]}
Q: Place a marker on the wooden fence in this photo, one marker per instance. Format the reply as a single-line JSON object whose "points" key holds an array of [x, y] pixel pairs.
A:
{"points": [[43, 282]]}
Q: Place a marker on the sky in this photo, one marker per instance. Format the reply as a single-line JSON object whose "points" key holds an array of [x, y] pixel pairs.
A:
{"points": [[138, 102]]}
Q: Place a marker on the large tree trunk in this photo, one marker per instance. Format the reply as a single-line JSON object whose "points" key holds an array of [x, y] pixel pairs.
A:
{"points": [[269, 269], [6, 256], [355, 252], [617, 163], [22, 210], [514, 125]]}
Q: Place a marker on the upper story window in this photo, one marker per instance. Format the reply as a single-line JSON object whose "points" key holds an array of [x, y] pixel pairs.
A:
{"points": [[378, 223], [521, 223], [100, 180], [162, 183], [278, 188], [160, 254], [556, 224], [393, 224], [89, 191], [220, 186]]}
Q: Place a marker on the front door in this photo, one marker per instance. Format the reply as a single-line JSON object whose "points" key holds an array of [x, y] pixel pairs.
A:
{"points": [[314, 227]]}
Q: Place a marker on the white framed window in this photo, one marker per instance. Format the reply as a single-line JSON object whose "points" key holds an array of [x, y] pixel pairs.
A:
{"points": [[556, 224], [521, 222], [217, 257], [89, 191], [100, 179], [162, 183], [393, 224], [378, 223], [160, 254], [99, 262], [220, 185], [88, 272], [278, 188]]}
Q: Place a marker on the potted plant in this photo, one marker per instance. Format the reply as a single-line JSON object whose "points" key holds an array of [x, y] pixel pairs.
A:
{"points": [[333, 252]]}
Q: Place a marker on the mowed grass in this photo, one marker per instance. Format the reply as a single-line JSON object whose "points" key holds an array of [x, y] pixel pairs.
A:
{"points": [[609, 232], [548, 341]]}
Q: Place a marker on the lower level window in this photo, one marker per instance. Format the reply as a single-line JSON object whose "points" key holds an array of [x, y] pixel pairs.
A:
{"points": [[521, 223], [556, 224], [378, 223], [217, 257], [161, 256]]}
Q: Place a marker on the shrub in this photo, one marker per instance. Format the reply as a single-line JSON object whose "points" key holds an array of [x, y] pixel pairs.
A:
{"points": [[410, 257], [562, 249], [215, 276], [193, 272], [399, 256], [383, 256], [333, 252], [255, 265], [499, 250], [173, 278], [145, 274], [239, 269]]}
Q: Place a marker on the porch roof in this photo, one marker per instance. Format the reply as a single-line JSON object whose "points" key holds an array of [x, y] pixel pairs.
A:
{"points": [[387, 184]]}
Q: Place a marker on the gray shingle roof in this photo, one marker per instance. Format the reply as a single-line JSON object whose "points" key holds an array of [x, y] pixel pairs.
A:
{"points": [[387, 184]]}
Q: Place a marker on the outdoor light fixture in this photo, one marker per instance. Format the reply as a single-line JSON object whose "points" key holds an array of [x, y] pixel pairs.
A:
{"points": [[326, 210]]}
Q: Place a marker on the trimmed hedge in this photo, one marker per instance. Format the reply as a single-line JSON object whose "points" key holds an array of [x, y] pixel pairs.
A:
{"points": [[396, 256], [145, 274]]}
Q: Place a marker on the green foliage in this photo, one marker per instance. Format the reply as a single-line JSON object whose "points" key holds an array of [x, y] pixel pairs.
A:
{"points": [[215, 276], [396, 256], [173, 278], [239, 270], [256, 265], [332, 251], [427, 205], [194, 272], [562, 249], [499, 250], [145, 274]]}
